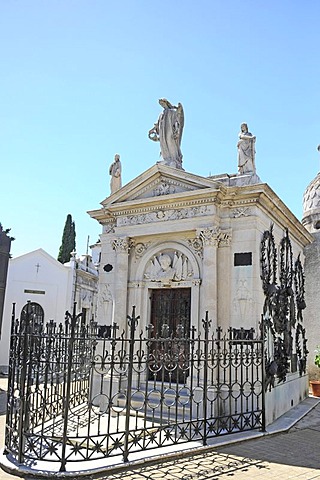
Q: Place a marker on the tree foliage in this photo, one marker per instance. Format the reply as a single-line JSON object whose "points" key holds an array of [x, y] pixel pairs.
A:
{"points": [[68, 243]]}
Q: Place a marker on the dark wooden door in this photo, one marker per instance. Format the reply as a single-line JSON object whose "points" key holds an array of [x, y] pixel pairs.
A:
{"points": [[170, 307], [170, 317]]}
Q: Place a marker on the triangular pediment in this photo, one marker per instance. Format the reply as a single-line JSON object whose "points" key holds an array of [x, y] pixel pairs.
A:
{"points": [[157, 181]]}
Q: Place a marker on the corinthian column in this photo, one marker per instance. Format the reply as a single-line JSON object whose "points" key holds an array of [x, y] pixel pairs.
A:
{"points": [[121, 247], [208, 298]]}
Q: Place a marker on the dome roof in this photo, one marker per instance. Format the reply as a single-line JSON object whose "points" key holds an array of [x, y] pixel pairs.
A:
{"points": [[311, 196], [311, 205]]}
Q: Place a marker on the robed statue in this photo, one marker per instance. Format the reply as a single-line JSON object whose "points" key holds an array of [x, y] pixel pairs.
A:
{"points": [[115, 172], [246, 151], [168, 131]]}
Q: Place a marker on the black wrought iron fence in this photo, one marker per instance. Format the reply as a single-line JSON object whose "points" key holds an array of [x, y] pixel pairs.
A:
{"points": [[75, 397]]}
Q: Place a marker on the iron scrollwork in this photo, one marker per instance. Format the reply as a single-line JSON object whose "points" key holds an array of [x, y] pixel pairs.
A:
{"points": [[75, 396], [282, 311]]}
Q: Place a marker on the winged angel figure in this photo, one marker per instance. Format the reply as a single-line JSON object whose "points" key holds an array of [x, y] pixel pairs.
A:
{"points": [[163, 269], [168, 131]]}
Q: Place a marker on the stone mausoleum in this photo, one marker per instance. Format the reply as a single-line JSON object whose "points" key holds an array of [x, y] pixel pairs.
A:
{"points": [[177, 245], [311, 221]]}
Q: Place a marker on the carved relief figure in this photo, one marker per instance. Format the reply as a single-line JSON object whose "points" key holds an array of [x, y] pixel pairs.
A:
{"points": [[246, 151], [168, 131], [106, 303], [115, 172], [86, 298], [165, 269], [243, 300]]}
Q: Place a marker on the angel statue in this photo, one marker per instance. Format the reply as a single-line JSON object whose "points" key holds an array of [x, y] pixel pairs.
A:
{"points": [[246, 151], [168, 131], [115, 172]]}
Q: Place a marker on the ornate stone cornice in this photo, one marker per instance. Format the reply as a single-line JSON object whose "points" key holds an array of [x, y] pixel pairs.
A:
{"points": [[163, 205], [238, 203]]}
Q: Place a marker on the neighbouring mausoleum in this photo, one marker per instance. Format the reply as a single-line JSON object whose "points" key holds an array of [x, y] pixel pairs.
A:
{"points": [[177, 245], [38, 282], [311, 221]]}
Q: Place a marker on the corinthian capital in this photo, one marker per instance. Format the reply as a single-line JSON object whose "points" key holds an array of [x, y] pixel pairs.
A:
{"points": [[121, 244], [209, 235], [224, 238]]}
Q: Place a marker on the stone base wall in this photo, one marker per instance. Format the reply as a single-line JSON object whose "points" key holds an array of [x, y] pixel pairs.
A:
{"points": [[286, 396]]}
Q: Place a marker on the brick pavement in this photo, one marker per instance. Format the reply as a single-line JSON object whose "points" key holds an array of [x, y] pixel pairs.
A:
{"points": [[293, 455]]}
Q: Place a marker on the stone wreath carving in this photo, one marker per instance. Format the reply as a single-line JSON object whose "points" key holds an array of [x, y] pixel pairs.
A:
{"points": [[140, 248]]}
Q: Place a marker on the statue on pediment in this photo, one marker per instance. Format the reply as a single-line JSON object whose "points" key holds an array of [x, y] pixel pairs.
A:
{"points": [[168, 131], [246, 151], [115, 172]]}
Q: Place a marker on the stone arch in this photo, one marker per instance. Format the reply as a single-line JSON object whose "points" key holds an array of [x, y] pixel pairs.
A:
{"points": [[141, 286], [167, 248], [34, 313]]}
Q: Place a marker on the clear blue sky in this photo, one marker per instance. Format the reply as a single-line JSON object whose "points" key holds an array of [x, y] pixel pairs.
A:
{"points": [[80, 81]]}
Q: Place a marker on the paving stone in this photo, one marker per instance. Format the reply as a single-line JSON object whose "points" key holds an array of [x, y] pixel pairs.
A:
{"points": [[284, 456]]}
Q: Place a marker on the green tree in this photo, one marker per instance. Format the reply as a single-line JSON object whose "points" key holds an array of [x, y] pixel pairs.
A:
{"points": [[68, 243]]}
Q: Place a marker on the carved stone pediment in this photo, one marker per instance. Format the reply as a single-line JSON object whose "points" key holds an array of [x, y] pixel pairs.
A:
{"points": [[159, 181], [163, 186]]}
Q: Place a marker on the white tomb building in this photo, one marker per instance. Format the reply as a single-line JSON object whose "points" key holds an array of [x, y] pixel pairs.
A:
{"points": [[170, 230], [50, 287], [177, 245]]}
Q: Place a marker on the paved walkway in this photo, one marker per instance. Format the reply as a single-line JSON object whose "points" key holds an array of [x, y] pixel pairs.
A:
{"points": [[3, 399], [291, 455]]}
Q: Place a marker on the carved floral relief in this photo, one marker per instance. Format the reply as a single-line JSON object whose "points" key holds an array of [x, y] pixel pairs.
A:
{"points": [[164, 215]]}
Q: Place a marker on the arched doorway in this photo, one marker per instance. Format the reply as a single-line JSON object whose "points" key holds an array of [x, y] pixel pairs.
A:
{"points": [[35, 313]]}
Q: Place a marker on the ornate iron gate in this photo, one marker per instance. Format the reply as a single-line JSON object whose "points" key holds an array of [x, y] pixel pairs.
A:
{"points": [[74, 397]]}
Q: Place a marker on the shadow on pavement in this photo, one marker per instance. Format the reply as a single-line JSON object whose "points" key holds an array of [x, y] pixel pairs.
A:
{"points": [[205, 466]]}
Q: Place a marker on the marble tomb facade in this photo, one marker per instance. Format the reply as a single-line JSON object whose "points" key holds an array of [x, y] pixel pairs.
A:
{"points": [[173, 231]]}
